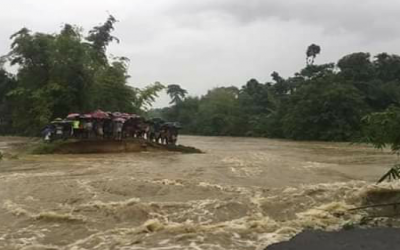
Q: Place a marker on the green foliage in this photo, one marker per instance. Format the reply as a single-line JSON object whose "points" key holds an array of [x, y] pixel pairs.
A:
{"points": [[100, 37], [66, 72], [320, 102], [356, 67], [219, 112], [63, 72], [7, 84], [312, 51], [329, 112], [392, 174], [381, 129], [145, 97], [176, 93]]}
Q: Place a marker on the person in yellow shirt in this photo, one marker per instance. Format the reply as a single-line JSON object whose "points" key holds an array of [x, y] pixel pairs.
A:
{"points": [[75, 128]]}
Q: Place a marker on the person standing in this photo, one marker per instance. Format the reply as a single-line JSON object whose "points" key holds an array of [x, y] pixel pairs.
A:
{"points": [[59, 130], [89, 128], [118, 128], [99, 129]]}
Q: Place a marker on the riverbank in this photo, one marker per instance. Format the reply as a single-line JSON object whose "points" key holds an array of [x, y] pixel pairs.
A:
{"points": [[21, 146], [105, 146]]}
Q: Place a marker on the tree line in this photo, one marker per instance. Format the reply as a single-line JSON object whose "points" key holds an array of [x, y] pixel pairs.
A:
{"points": [[327, 102], [65, 72], [45, 76]]}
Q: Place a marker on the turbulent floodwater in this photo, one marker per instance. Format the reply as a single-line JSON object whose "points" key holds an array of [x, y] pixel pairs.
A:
{"points": [[243, 193]]}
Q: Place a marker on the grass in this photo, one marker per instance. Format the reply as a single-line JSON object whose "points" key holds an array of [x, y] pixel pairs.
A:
{"points": [[41, 147]]}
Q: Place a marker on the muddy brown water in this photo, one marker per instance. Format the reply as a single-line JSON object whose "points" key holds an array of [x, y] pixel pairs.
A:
{"points": [[243, 193]]}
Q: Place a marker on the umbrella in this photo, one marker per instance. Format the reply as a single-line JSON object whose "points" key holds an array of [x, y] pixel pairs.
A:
{"points": [[87, 116], [119, 119], [117, 114], [57, 120], [99, 114], [73, 116], [126, 115]]}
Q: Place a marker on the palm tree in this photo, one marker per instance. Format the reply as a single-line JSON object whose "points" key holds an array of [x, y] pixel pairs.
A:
{"points": [[312, 51], [176, 93]]}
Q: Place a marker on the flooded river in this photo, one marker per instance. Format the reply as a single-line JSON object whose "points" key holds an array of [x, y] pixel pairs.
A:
{"points": [[243, 193]]}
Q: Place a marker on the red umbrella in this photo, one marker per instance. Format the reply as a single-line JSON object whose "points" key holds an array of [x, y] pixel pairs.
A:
{"points": [[99, 114], [73, 116]]}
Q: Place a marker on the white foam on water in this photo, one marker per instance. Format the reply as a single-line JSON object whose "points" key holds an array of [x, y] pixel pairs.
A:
{"points": [[17, 210]]}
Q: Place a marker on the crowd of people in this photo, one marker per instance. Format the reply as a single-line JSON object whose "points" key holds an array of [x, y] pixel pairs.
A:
{"points": [[108, 125]]}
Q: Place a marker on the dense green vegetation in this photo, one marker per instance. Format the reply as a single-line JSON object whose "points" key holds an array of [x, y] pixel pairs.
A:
{"points": [[65, 72], [320, 102], [68, 71]]}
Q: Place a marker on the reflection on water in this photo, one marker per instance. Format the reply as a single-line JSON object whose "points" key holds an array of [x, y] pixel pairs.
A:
{"points": [[244, 193]]}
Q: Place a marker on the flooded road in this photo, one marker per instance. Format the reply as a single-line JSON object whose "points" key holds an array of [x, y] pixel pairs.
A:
{"points": [[243, 193]]}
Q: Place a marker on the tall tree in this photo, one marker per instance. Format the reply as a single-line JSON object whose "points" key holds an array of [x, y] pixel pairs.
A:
{"points": [[387, 67], [146, 96], [176, 93], [356, 67], [7, 83], [100, 36], [312, 51]]}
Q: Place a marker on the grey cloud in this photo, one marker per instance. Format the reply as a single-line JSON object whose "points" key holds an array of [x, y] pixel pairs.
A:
{"points": [[201, 44], [369, 18]]}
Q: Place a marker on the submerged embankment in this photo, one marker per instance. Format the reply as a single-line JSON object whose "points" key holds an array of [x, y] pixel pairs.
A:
{"points": [[104, 147], [243, 193]]}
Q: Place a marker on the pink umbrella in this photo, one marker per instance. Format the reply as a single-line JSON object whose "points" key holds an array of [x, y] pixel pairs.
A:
{"points": [[117, 114], [87, 116], [126, 116], [73, 116], [99, 114]]}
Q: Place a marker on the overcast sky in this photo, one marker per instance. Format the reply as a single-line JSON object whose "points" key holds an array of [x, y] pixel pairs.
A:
{"points": [[201, 44]]}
